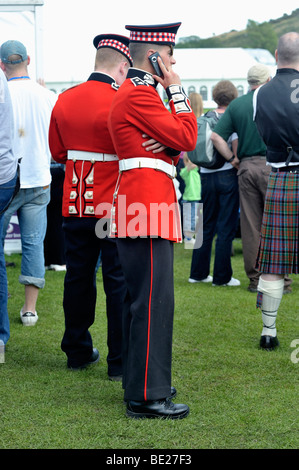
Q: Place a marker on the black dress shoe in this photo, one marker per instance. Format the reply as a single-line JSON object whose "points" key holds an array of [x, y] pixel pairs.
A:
{"points": [[94, 358], [269, 342], [156, 409]]}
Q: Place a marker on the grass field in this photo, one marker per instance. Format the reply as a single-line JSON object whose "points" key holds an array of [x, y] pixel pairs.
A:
{"points": [[240, 397]]}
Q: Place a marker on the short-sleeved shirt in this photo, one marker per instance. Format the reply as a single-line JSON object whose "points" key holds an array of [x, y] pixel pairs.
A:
{"points": [[32, 106], [238, 117], [276, 116]]}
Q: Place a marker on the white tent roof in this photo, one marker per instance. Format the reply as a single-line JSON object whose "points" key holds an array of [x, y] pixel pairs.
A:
{"points": [[218, 63], [191, 64], [23, 20]]}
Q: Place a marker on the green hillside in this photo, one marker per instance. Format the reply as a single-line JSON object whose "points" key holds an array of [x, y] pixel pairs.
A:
{"points": [[256, 35]]}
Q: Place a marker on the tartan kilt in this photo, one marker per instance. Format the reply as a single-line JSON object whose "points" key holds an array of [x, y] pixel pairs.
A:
{"points": [[278, 251]]}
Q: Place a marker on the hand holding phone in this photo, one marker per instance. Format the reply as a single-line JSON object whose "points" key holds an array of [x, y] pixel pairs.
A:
{"points": [[153, 58], [169, 77]]}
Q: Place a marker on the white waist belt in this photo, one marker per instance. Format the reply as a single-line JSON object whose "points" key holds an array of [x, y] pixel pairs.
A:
{"points": [[91, 156], [143, 162]]}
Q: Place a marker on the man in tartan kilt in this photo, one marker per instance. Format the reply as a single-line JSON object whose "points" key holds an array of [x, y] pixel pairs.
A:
{"points": [[276, 115]]}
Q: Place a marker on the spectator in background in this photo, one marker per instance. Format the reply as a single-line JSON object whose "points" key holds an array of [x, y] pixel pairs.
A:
{"points": [[190, 200], [220, 201], [276, 116], [32, 106], [8, 179], [253, 172], [197, 107], [196, 103]]}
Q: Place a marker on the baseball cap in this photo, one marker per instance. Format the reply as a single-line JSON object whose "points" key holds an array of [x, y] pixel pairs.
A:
{"points": [[258, 74], [10, 48]]}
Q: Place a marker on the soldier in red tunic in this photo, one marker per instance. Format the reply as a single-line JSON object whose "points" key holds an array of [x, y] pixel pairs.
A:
{"points": [[79, 137], [146, 218]]}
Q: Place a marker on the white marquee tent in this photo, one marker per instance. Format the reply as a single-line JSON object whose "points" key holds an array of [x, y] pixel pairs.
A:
{"points": [[199, 69], [23, 20]]}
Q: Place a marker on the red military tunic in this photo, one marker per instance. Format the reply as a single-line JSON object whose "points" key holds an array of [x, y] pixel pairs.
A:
{"points": [[79, 122], [138, 109]]}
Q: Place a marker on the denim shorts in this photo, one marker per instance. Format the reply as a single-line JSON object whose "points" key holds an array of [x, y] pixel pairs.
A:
{"points": [[31, 207]]}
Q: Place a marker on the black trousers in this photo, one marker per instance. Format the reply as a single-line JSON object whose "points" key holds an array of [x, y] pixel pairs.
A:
{"points": [[54, 239], [148, 317], [82, 252]]}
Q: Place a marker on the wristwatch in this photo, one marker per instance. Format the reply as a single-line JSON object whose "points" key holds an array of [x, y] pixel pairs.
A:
{"points": [[231, 159]]}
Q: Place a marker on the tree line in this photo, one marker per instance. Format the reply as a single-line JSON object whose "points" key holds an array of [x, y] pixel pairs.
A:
{"points": [[256, 35]]}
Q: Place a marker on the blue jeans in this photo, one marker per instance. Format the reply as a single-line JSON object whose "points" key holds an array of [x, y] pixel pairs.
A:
{"points": [[31, 207], [6, 192], [189, 211], [220, 198]]}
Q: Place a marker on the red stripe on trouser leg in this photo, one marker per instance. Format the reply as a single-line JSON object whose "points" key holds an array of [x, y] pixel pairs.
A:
{"points": [[149, 322]]}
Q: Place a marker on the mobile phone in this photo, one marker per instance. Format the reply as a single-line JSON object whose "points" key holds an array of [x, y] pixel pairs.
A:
{"points": [[153, 58]]}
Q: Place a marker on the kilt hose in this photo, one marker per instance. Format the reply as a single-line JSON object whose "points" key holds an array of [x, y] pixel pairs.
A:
{"points": [[278, 251]]}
